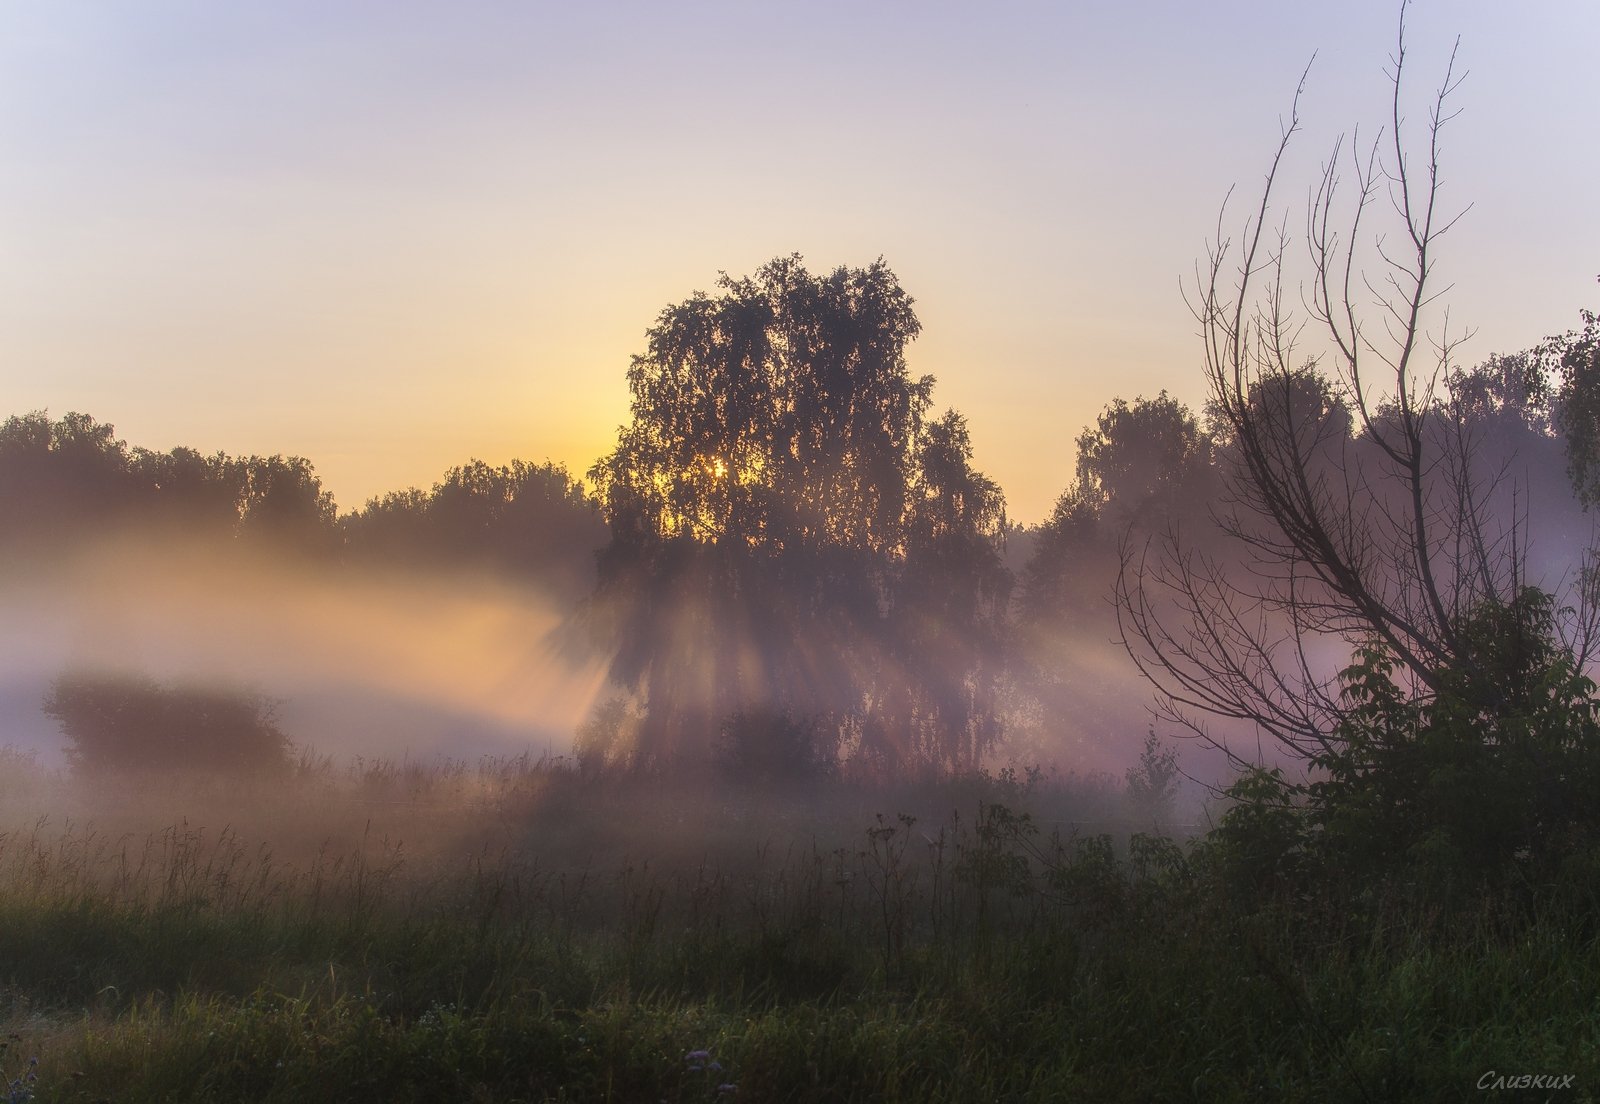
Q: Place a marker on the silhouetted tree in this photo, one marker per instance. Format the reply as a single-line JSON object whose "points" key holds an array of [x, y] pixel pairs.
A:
{"points": [[1577, 360], [763, 501], [1140, 464], [1142, 467], [1145, 466], [1516, 388], [70, 482], [285, 506], [1071, 565], [780, 412], [531, 521], [394, 529], [190, 493], [61, 481]]}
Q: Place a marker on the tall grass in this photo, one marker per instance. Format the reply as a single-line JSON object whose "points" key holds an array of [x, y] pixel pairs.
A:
{"points": [[512, 931]]}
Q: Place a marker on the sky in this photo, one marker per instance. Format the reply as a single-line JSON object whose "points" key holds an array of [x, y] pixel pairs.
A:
{"points": [[392, 236]]}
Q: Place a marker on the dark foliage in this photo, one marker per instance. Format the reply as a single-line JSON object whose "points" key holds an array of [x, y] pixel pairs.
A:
{"points": [[790, 532], [121, 723], [1577, 359], [529, 521], [774, 746], [67, 483], [1494, 781]]}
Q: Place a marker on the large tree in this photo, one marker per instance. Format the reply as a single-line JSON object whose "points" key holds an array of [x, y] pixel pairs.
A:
{"points": [[762, 501]]}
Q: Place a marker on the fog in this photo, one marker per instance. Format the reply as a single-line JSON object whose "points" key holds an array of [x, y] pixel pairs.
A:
{"points": [[364, 663]]}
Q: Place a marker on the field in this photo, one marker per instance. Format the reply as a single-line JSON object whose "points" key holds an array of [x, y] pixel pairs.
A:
{"points": [[514, 930]]}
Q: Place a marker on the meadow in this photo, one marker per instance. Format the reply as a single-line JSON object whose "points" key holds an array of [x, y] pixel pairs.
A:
{"points": [[518, 930]]}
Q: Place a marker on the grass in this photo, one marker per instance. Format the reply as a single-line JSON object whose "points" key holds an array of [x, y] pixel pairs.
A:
{"points": [[515, 932]]}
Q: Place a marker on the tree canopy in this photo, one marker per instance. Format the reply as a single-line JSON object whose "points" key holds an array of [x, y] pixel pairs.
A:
{"points": [[529, 521], [778, 413], [777, 491], [65, 481]]}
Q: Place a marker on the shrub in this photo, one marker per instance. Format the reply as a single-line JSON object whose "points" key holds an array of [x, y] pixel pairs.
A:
{"points": [[119, 722], [775, 745], [1494, 772], [1152, 784]]}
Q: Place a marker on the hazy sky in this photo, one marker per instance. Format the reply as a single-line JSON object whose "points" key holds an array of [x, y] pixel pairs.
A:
{"points": [[390, 236]]}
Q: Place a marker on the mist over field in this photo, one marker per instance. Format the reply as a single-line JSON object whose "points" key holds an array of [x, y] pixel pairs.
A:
{"points": [[782, 744], [389, 665]]}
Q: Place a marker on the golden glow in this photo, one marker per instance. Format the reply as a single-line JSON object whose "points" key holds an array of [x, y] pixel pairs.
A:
{"points": [[193, 250]]}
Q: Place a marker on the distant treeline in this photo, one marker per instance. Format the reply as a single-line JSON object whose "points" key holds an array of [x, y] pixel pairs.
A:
{"points": [[788, 561], [66, 483], [1144, 465]]}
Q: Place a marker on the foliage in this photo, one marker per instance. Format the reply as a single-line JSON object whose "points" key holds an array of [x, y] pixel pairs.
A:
{"points": [[1261, 846], [530, 521], [65, 482], [283, 504], [775, 745], [58, 479], [790, 532], [1577, 355], [1152, 782], [606, 736], [947, 626], [1498, 769], [1064, 576], [778, 413], [120, 723], [1493, 780], [1142, 466], [1512, 386], [497, 957], [1139, 461]]}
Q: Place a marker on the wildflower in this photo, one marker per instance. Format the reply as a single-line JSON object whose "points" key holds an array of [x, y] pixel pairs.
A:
{"points": [[727, 1089]]}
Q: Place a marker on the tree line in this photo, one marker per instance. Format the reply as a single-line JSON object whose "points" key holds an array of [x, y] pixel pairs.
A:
{"points": [[790, 562], [70, 482]]}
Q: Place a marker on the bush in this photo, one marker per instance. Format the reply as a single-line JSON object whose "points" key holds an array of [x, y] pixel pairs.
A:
{"points": [[775, 745], [1490, 778], [1261, 846], [1152, 784], [119, 723]]}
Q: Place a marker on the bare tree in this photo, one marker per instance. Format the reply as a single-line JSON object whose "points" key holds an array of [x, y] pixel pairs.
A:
{"points": [[1355, 511]]}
